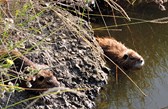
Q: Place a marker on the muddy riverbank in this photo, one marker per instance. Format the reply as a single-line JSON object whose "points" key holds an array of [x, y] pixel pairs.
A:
{"points": [[49, 34], [64, 42]]}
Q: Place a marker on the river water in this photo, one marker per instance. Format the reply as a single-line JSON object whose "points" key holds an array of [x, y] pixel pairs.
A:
{"points": [[151, 41]]}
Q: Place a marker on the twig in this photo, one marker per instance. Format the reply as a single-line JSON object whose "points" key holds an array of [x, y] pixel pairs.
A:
{"points": [[125, 75], [116, 74]]}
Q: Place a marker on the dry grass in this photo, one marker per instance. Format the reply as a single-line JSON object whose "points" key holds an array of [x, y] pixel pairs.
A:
{"points": [[21, 18]]}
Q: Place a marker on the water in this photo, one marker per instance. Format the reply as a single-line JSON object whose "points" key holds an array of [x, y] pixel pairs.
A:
{"points": [[151, 41]]}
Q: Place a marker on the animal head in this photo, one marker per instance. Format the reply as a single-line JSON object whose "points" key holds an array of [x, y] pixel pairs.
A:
{"points": [[45, 79], [132, 60], [126, 58]]}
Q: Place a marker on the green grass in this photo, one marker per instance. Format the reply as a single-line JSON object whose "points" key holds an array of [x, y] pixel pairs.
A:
{"points": [[22, 18], [20, 24]]}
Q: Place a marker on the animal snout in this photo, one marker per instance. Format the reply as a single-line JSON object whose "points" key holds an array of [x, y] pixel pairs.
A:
{"points": [[54, 82], [141, 61]]}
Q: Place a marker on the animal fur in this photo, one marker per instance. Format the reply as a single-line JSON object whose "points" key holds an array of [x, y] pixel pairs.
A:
{"points": [[42, 78], [124, 57]]}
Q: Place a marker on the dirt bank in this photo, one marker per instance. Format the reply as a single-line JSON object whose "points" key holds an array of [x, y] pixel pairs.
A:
{"points": [[66, 43], [47, 33]]}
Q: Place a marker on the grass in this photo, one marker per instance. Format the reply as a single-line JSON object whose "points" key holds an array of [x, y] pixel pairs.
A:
{"points": [[53, 91], [17, 24], [20, 24]]}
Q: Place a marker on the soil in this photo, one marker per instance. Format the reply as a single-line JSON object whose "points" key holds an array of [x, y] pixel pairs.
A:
{"points": [[48, 34], [67, 44]]}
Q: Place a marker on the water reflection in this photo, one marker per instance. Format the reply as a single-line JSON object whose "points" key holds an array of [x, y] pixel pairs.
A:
{"points": [[151, 41]]}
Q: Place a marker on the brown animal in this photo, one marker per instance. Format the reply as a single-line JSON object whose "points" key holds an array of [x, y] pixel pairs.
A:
{"points": [[124, 57], [42, 78]]}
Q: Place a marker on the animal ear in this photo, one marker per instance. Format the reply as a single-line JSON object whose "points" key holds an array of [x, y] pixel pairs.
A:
{"points": [[125, 56]]}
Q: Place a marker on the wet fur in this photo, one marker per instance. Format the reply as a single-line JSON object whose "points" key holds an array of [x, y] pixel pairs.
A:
{"points": [[124, 57]]}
